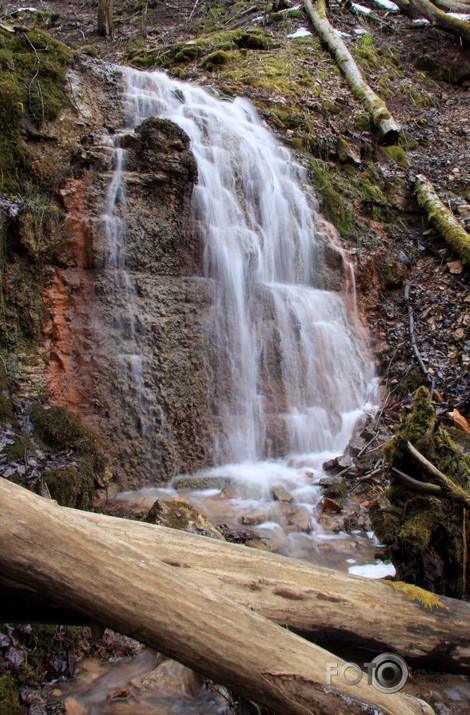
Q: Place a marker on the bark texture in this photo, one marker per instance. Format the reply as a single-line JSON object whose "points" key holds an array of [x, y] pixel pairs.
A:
{"points": [[73, 560]]}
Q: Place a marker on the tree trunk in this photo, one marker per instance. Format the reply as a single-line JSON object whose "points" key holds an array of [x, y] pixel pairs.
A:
{"points": [[442, 219], [388, 130], [102, 18], [75, 561]]}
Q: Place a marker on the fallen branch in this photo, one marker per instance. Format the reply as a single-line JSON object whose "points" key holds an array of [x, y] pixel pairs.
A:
{"points": [[442, 219], [388, 130], [75, 561], [450, 489], [416, 484]]}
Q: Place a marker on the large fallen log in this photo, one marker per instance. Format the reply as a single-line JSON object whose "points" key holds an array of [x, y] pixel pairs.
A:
{"points": [[75, 561], [332, 608], [387, 128]]}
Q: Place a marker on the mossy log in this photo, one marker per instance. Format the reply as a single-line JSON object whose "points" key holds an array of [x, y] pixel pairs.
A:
{"points": [[442, 219], [387, 128], [332, 608], [75, 561], [435, 13]]}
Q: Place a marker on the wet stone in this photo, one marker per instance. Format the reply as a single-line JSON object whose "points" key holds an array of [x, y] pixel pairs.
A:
{"points": [[281, 494]]}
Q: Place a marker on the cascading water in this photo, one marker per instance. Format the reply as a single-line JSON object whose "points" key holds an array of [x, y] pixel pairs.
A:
{"points": [[289, 369]]}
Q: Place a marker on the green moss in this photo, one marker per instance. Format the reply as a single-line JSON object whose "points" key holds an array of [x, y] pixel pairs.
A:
{"points": [[397, 154], [427, 599], [362, 123], [15, 452], [370, 192], [416, 427], [9, 702], [71, 487], [215, 60], [427, 542], [59, 429], [333, 205], [32, 83]]}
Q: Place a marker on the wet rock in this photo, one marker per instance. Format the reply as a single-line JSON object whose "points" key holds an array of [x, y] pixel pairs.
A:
{"points": [[330, 505], [335, 487], [201, 483], [281, 494], [179, 514], [337, 464]]}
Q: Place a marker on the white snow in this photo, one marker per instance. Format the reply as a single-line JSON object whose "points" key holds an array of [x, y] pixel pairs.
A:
{"points": [[361, 8], [359, 31], [387, 4], [460, 16], [377, 570], [301, 32], [420, 21]]}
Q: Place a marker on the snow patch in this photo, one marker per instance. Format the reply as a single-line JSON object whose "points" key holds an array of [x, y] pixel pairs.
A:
{"points": [[361, 8], [388, 5], [301, 32], [420, 22], [377, 570], [460, 16]]}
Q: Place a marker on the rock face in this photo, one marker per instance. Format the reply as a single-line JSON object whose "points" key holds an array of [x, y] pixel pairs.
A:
{"points": [[125, 328]]}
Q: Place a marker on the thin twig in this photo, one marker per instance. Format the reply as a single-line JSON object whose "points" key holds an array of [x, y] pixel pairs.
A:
{"points": [[38, 65], [423, 367], [193, 10]]}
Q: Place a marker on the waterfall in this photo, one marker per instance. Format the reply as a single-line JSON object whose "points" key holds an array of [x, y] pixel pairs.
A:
{"points": [[289, 368]]}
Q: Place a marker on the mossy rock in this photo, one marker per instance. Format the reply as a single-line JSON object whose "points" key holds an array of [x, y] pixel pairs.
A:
{"points": [[333, 205], [32, 85], [215, 60], [15, 452], [9, 702], [59, 429], [6, 406], [71, 487], [397, 154]]}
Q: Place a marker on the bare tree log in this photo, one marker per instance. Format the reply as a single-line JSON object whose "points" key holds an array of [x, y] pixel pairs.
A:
{"points": [[388, 130], [449, 488], [77, 562], [437, 17], [330, 607], [442, 219]]}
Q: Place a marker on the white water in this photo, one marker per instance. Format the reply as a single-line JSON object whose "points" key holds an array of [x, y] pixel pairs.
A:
{"points": [[288, 366]]}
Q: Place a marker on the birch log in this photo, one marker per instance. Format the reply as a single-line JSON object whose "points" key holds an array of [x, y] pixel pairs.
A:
{"points": [[387, 128], [78, 562], [443, 219]]}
